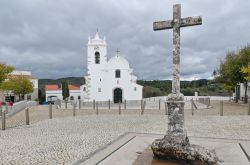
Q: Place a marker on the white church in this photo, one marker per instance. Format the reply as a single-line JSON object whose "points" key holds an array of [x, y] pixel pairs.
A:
{"points": [[111, 79]]}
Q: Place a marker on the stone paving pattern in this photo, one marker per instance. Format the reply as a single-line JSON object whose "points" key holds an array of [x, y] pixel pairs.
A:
{"points": [[66, 139]]}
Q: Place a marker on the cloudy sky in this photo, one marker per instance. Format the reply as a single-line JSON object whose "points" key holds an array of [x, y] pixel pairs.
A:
{"points": [[49, 37]]}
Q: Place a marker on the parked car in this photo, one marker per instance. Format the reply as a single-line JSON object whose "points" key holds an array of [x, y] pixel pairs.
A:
{"points": [[2, 103], [52, 99]]}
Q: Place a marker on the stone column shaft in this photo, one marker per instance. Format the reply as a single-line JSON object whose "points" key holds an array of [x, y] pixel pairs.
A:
{"points": [[176, 49]]}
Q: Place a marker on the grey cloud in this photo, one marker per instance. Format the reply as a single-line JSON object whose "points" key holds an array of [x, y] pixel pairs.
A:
{"points": [[50, 37]]}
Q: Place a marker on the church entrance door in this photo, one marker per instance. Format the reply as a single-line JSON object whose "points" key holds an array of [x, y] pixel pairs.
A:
{"points": [[118, 95]]}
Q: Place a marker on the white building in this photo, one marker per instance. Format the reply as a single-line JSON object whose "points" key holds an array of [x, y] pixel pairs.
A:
{"points": [[111, 79], [240, 91], [54, 92], [9, 96]]}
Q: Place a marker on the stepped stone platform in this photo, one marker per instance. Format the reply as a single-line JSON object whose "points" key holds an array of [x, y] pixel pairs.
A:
{"points": [[134, 149]]}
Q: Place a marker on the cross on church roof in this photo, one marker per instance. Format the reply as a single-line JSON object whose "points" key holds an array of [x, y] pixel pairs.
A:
{"points": [[118, 51]]}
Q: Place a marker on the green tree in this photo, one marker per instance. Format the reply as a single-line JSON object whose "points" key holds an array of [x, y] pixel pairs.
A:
{"points": [[152, 92], [4, 71], [244, 60], [41, 96], [229, 72], [21, 86], [246, 71], [65, 90], [6, 86]]}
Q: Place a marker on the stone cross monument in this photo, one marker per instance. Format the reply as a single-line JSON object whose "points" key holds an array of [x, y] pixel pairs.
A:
{"points": [[175, 144], [175, 102], [176, 24]]}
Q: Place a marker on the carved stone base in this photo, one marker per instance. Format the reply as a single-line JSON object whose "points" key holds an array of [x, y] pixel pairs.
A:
{"points": [[175, 97], [177, 147]]}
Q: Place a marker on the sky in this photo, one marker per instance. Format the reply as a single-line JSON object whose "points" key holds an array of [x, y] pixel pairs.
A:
{"points": [[49, 37]]}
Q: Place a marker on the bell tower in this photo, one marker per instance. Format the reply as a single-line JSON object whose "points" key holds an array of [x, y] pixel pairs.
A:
{"points": [[97, 53], [96, 61]]}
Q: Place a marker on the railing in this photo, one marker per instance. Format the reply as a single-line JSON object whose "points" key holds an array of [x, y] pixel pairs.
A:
{"points": [[128, 107], [10, 111], [19, 106], [127, 104]]}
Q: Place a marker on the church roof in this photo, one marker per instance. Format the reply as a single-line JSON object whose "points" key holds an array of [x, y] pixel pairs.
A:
{"points": [[118, 62], [97, 36]]}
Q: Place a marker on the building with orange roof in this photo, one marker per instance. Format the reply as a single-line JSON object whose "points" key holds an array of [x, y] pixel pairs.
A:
{"points": [[54, 92], [51, 87]]}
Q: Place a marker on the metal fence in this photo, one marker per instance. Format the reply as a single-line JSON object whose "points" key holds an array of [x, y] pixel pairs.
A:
{"points": [[126, 104]]}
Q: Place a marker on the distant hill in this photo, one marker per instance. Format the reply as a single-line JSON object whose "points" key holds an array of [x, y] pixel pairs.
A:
{"points": [[203, 86]]}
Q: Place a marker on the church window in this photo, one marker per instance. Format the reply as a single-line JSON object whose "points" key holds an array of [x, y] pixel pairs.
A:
{"points": [[117, 73], [99, 90], [97, 57], [84, 88], [100, 79], [134, 88]]}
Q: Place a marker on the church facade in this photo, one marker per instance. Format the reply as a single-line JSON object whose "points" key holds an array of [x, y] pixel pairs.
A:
{"points": [[111, 79]]}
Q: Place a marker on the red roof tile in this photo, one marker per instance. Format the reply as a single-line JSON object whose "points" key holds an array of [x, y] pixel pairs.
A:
{"points": [[73, 87], [51, 87], [55, 87]]}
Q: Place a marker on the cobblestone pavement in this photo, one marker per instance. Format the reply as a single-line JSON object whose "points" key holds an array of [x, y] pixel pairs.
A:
{"points": [[66, 139]]}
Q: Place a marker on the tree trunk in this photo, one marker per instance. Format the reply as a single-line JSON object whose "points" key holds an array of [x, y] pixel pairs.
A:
{"points": [[246, 98], [236, 94], [21, 97]]}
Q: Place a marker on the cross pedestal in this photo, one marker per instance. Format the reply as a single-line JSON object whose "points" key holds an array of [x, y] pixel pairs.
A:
{"points": [[176, 117]]}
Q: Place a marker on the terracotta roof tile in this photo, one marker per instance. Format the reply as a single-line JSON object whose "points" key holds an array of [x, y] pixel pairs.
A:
{"points": [[73, 87], [51, 87], [55, 87]]}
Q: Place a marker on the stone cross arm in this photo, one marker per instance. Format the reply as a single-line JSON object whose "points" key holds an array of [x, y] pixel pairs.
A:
{"points": [[189, 21]]}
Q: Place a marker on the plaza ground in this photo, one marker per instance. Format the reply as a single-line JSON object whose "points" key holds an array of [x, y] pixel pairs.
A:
{"points": [[66, 139]]}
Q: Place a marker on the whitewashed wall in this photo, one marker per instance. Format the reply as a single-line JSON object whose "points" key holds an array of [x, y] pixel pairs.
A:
{"points": [[75, 93], [242, 90], [58, 94]]}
